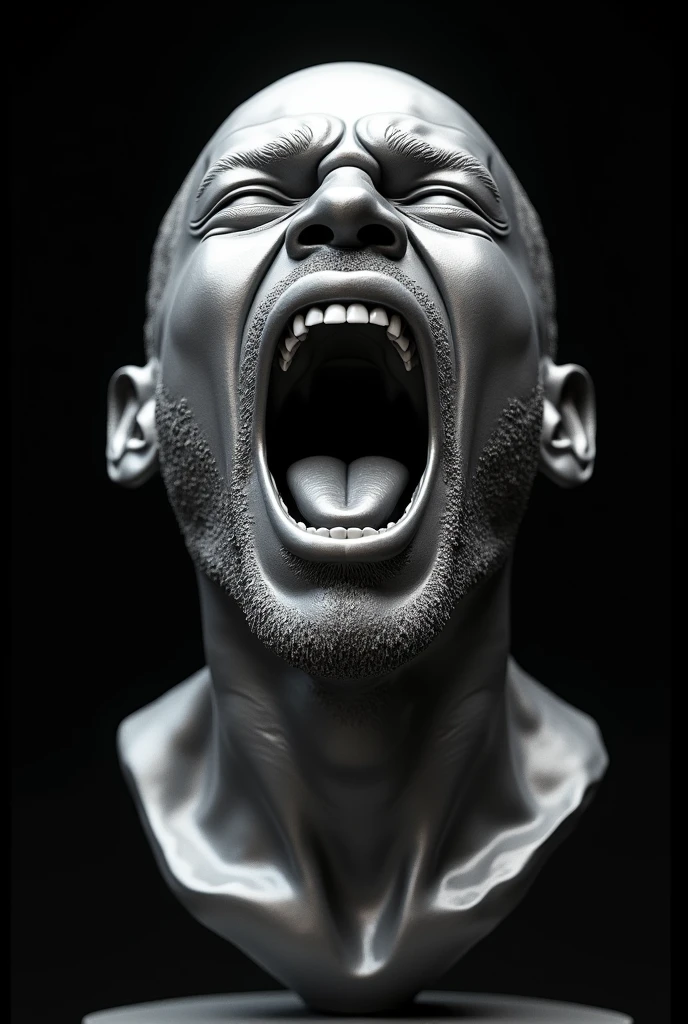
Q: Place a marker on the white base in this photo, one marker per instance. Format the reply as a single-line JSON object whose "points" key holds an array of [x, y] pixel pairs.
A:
{"points": [[429, 1007]]}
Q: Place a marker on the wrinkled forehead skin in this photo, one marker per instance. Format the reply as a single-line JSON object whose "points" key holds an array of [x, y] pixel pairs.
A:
{"points": [[349, 93]]}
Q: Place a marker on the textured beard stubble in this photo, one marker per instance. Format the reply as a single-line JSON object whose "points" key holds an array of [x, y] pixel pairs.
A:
{"points": [[350, 638]]}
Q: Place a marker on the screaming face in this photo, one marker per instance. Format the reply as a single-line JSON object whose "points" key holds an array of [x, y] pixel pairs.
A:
{"points": [[348, 334]]}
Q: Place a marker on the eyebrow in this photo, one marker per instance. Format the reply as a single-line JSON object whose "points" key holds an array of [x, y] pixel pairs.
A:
{"points": [[441, 159], [284, 147]]}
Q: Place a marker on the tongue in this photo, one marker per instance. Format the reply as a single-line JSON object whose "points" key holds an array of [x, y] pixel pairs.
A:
{"points": [[330, 493]]}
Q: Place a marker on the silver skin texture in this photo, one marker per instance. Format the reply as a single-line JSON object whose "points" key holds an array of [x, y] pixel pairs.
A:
{"points": [[361, 783]]}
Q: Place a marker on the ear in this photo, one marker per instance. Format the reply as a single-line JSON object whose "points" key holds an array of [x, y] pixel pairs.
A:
{"points": [[132, 443], [567, 445]]}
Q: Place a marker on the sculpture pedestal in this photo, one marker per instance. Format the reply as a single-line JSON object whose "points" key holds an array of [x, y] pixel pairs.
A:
{"points": [[429, 1007]]}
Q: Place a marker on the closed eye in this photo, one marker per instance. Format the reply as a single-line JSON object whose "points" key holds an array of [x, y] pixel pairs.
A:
{"points": [[243, 209], [451, 209]]}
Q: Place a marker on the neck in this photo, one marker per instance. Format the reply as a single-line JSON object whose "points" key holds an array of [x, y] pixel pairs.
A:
{"points": [[351, 765], [357, 838]]}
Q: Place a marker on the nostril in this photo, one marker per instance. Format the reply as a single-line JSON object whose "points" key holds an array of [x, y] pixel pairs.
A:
{"points": [[316, 234], [376, 234]]}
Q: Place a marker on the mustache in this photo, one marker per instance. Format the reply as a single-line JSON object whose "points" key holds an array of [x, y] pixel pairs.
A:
{"points": [[344, 261]]}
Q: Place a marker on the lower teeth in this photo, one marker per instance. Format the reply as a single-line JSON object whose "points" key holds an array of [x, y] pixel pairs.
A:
{"points": [[344, 532]]}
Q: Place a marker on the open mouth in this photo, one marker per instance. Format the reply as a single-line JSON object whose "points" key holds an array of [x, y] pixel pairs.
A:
{"points": [[346, 420], [347, 437]]}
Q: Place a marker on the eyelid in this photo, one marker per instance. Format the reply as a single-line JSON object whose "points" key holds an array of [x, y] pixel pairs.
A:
{"points": [[223, 229], [468, 228], [431, 190], [500, 227], [258, 190], [452, 193]]}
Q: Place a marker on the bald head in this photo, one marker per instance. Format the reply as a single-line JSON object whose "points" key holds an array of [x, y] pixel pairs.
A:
{"points": [[352, 90]]}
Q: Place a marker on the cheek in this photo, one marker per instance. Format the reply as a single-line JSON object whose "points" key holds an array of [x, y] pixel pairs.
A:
{"points": [[201, 347], [494, 328], [496, 342]]}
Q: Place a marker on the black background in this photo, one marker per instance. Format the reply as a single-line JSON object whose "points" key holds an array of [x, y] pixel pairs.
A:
{"points": [[110, 110]]}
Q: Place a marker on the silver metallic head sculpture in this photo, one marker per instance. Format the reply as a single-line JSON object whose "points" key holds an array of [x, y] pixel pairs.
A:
{"points": [[350, 386]]}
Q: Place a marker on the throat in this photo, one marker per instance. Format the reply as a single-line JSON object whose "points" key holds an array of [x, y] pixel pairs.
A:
{"points": [[364, 768]]}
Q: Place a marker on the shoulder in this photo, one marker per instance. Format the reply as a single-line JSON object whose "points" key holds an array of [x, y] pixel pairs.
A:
{"points": [[560, 747], [168, 734]]}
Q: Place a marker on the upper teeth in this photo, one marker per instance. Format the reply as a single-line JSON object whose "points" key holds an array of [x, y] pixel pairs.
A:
{"points": [[299, 327], [394, 329], [335, 314], [355, 313], [314, 316]]}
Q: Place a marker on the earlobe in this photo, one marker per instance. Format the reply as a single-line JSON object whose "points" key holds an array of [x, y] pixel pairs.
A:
{"points": [[567, 445], [132, 444]]}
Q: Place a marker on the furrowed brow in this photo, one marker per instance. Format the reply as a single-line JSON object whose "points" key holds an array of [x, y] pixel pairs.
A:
{"points": [[440, 158], [284, 147]]}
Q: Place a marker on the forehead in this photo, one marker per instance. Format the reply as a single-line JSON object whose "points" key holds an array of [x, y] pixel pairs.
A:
{"points": [[350, 92]]}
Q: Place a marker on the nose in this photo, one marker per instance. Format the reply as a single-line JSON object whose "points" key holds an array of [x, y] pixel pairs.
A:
{"points": [[347, 212]]}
